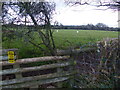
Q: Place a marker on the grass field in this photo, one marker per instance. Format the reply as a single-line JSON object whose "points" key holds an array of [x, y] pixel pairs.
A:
{"points": [[63, 39], [82, 37]]}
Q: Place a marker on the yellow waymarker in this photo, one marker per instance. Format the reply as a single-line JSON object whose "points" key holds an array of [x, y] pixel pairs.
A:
{"points": [[11, 58]]}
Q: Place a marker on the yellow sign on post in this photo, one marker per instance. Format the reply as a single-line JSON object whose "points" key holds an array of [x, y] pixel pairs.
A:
{"points": [[11, 58]]}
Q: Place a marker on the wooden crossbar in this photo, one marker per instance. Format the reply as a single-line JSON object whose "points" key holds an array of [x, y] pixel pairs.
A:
{"points": [[34, 81]]}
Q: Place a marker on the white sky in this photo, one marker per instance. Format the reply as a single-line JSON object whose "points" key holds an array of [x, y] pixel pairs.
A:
{"points": [[82, 15]]}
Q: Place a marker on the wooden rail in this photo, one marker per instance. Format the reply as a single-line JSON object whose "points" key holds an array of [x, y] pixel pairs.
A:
{"points": [[58, 62], [38, 59], [74, 51]]}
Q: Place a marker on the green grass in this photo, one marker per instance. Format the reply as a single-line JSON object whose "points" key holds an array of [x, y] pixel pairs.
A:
{"points": [[84, 36], [63, 39]]}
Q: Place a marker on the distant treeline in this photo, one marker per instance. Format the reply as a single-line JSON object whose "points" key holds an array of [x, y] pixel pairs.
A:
{"points": [[86, 27], [80, 27]]}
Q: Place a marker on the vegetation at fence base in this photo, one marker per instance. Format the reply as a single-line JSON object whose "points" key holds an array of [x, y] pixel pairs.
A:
{"points": [[87, 81], [102, 75]]}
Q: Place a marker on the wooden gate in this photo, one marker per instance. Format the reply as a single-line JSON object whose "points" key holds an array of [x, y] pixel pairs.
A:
{"points": [[63, 66]]}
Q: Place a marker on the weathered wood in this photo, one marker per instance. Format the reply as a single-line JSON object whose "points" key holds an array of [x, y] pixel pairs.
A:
{"points": [[68, 52], [17, 75], [19, 70], [27, 79], [71, 68], [38, 82], [34, 81], [34, 87], [5, 58], [4, 51], [38, 59], [59, 70]]}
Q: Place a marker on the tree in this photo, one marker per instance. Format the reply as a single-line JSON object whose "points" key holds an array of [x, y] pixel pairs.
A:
{"points": [[101, 25], [40, 14], [111, 4]]}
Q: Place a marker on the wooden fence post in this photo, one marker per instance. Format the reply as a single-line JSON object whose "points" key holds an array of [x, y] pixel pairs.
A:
{"points": [[59, 70], [72, 68], [17, 75]]}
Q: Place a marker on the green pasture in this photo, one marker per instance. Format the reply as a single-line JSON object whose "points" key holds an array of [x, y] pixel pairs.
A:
{"points": [[63, 39]]}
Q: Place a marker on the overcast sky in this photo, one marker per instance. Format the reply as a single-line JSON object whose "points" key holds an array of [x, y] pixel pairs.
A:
{"points": [[82, 15]]}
